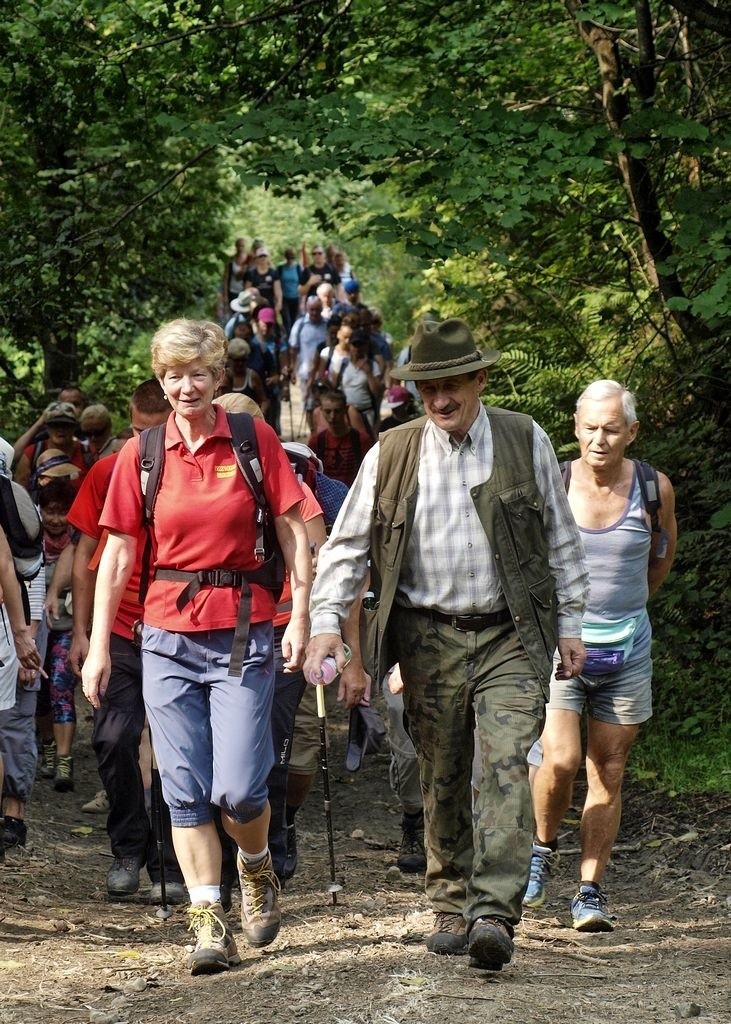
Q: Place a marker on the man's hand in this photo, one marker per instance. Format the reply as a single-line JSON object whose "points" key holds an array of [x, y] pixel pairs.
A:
{"points": [[394, 682], [318, 649], [573, 655], [354, 684]]}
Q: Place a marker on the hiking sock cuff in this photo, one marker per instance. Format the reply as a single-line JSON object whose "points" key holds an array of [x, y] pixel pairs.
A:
{"points": [[204, 894], [551, 845]]}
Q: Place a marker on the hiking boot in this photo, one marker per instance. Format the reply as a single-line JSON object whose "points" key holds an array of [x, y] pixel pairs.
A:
{"points": [[215, 947], [490, 943], [16, 832], [63, 781], [98, 805], [48, 759], [412, 856], [589, 910], [175, 893], [290, 860], [542, 862], [123, 877], [260, 914], [449, 936]]}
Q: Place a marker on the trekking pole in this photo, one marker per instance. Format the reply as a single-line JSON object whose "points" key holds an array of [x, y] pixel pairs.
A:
{"points": [[164, 910], [334, 887]]}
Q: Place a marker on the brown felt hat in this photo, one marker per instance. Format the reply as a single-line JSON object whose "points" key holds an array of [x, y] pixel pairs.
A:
{"points": [[443, 349]]}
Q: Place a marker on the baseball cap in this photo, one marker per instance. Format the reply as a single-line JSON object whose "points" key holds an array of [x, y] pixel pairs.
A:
{"points": [[266, 314], [352, 285], [60, 412], [396, 396]]}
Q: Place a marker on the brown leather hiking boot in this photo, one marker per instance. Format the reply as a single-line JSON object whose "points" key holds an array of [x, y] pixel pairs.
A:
{"points": [[449, 937], [490, 943], [215, 948], [260, 913]]}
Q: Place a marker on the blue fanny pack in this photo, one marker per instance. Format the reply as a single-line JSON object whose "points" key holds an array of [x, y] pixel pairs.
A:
{"points": [[608, 645]]}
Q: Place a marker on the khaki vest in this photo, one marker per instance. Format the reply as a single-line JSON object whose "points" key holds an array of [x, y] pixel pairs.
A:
{"points": [[510, 508]]}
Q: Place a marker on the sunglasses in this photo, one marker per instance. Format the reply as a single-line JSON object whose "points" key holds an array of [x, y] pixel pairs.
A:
{"points": [[99, 432], [318, 252]]}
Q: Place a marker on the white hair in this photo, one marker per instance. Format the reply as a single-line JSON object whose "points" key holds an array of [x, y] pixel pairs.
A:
{"points": [[600, 389]]}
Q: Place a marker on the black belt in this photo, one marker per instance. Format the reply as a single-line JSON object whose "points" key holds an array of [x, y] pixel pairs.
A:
{"points": [[234, 578], [471, 623]]}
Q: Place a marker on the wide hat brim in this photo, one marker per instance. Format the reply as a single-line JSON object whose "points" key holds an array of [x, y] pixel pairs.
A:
{"points": [[444, 349]]}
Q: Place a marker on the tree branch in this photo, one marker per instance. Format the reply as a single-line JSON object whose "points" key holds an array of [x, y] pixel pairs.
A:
{"points": [[705, 15], [313, 46]]}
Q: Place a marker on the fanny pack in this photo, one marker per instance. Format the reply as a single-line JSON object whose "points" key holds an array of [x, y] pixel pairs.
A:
{"points": [[608, 645]]}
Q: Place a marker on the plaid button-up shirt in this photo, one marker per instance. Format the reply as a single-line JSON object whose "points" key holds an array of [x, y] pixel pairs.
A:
{"points": [[448, 564]]}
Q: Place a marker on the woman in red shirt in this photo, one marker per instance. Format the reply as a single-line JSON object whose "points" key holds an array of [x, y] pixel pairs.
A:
{"points": [[211, 730]]}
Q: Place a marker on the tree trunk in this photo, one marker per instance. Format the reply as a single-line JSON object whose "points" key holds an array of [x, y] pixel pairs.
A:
{"points": [[635, 171]]}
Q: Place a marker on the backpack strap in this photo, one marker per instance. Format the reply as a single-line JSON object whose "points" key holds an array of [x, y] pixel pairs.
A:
{"points": [[320, 445], [152, 461], [565, 468], [650, 491], [355, 441], [246, 451]]}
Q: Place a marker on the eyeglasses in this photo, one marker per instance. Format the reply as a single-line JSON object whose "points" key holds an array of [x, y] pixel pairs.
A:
{"points": [[99, 432]]}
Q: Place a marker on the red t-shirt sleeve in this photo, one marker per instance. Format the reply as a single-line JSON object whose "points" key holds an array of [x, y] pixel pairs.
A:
{"points": [[89, 502]]}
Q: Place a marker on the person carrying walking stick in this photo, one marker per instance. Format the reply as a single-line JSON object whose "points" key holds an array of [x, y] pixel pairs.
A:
{"points": [[477, 572]]}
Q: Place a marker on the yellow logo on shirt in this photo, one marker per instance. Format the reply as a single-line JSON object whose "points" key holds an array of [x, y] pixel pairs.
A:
{"points": [[223, 472]]}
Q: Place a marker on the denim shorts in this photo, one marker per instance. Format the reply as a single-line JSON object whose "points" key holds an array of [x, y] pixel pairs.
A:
{"points": [[211, 732]]}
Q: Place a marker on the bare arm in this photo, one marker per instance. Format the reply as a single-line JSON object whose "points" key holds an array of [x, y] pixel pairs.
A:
{"points": [[662, 552], [25, 647], [83, 582], [292, 537], [61, 580], [115, 569], [354, 680], [27, 438]]}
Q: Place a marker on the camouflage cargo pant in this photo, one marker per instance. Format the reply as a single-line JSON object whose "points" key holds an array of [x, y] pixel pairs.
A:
{"points": [[477, 858]]}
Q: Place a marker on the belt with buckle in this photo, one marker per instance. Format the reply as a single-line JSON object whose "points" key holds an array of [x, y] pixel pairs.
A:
{"points": [[472, 623]]}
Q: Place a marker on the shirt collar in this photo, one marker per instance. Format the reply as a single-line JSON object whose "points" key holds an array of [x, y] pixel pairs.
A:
{"points": [[221, 428], [474, 438]]}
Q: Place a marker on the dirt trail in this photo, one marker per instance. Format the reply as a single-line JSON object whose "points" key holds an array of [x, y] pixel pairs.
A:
{"points": [[66, 954]]}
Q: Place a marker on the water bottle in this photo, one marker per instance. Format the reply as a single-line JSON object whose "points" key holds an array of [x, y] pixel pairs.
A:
{"points": [[329, 668]]}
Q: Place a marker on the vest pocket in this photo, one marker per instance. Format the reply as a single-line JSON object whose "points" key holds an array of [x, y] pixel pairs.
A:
{"points": [[391, 519], [543, 599]]}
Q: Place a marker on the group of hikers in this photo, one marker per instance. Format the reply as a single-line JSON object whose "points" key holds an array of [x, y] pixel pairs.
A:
{"points": [[438, 554]]}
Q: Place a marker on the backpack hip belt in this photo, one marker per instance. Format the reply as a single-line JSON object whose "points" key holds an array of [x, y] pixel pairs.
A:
{"points": [[234, 578]]}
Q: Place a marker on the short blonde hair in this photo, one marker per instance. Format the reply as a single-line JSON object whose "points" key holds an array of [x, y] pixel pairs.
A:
{"points": [[234, 401], [95, 412], [184, 341]]}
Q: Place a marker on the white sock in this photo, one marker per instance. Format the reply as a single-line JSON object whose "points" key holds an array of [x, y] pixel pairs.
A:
{"points": [[204, 894], [252, 859]]}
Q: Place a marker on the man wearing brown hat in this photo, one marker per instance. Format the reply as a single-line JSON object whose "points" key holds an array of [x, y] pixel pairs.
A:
{"points": [[478, 574]]}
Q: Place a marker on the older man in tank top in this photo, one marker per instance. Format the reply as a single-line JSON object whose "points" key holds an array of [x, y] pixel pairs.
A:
{"points": [[628, 559]]}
